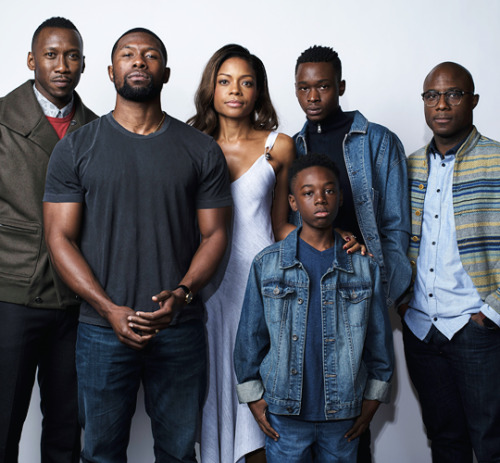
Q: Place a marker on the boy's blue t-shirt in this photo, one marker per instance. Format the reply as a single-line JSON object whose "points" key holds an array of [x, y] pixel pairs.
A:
{"points": [[316, 263]]}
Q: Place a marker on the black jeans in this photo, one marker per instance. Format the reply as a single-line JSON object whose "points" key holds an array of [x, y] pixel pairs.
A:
{"points": [[458, 384], [42, 339]]}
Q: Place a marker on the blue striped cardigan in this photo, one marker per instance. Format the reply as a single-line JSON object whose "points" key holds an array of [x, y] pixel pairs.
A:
{"points": [[476, 202]]}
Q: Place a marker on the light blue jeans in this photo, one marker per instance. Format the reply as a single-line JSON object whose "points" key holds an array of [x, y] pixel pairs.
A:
{"points": [[172, 369], [306, 441]]}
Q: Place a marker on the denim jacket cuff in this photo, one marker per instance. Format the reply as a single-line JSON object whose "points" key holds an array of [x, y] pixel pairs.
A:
{"points": [[378, 390], [250, 391]]}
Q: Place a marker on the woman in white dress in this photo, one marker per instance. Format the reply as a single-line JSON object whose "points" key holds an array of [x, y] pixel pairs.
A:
{"points": [[233, 105]]}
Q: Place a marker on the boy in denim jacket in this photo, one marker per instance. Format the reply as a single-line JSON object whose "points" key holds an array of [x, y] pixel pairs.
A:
{"points": [[314, 354]]}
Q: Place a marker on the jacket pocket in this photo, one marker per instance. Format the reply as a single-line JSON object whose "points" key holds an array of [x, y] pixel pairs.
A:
{"points": [[277, 297], [355, 301], [19, 248]]}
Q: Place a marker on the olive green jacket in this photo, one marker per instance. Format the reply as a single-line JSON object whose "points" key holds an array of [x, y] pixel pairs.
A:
{"points": [[26, 143]]}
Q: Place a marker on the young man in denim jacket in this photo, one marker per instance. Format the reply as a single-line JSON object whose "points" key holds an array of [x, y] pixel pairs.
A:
{"points": [[371, 161], [314, 353]]}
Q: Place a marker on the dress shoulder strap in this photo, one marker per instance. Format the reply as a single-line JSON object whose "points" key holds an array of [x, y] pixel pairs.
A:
{"points": [[271, 138]]}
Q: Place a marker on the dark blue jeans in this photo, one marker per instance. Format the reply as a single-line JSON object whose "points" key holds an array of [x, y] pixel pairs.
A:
{"points": [[307, 441], [458, 384], [172, 369]]}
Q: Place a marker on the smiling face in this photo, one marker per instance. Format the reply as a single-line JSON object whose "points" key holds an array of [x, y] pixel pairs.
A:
{"points": [[235, 89], [316, 195], [138, 69], [450, 124], [318, 89], [57, 60]]}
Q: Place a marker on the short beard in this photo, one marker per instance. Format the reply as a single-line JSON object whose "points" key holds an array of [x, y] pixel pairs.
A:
{"points": [[139, 94]]}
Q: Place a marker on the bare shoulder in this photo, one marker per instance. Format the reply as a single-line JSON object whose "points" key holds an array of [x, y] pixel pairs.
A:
{"points": [[284, 149]]}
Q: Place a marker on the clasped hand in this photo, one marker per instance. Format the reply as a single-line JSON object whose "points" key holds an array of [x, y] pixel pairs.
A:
{"points": [[137, 328]]}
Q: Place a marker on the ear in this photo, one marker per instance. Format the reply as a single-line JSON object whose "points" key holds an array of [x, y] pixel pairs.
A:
{"points": [[111, 74], [83, 64], [475, 101], [31, 61], [292, 202], [166, 75], [341, 87]]}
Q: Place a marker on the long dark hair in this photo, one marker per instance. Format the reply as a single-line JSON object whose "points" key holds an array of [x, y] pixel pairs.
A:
{"points": [[263, 116]]}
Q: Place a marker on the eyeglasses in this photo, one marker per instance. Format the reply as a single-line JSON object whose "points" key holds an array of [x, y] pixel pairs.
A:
{"points": [[453, 97]]}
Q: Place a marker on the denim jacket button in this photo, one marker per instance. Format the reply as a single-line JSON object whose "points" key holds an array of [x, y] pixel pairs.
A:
{"points": [[294, 371], [300, 300], [276, 291], [295, 337], [289, 409]]}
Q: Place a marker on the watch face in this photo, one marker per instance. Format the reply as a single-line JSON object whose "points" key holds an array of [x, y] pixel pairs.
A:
{"points": [[189, 297]]}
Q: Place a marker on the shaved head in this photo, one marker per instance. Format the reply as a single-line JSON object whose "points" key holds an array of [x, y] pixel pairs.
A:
{"points": [[455, 69]]}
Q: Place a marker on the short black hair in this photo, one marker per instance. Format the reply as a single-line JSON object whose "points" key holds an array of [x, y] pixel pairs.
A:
{"points": [[311, 160], [163, 50], [56, 21], [320, 54]]}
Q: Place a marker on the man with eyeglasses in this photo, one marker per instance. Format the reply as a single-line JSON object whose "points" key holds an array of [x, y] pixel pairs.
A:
{"points": [[451, 322]]}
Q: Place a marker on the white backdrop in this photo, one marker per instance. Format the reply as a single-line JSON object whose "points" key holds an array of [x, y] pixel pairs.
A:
{"points": [[386, 47]]}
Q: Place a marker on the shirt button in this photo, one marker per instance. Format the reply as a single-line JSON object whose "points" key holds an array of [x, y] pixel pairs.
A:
{"points": [[421, 187], [436, 216], [414, 238], [430, 294], [295, 337], [431, 269], [38, 300], [417, 213], [433, 243], [294, 371], [443, 164], [438, 190], [435, 319], [300, 300]]}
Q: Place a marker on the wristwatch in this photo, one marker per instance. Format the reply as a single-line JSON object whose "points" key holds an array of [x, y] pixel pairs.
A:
{"points": [[187, 291]]}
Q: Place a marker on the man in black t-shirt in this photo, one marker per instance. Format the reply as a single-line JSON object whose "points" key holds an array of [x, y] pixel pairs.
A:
{"points": [[134, 204]]}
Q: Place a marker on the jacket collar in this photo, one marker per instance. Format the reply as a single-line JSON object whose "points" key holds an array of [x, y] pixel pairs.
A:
{"points": [[21, 113], [288, 253], [469, 144], [359, 125]]}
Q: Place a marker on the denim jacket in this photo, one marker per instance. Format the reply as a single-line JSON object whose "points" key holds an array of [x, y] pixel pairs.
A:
{"points": [[376, 165], [357, 336]]}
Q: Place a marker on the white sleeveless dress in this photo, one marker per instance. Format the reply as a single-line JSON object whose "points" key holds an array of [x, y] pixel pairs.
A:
{"points": [[229, 430]]}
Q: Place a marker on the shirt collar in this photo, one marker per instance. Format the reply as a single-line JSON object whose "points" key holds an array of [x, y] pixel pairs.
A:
{"points": [[50, 109], [451, 152]]}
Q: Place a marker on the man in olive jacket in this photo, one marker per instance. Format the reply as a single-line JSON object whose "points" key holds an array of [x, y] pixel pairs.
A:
{"points": [[39, 314]]}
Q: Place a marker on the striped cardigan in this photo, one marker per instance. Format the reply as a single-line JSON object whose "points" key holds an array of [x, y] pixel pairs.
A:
{"points": [[476, 204]]}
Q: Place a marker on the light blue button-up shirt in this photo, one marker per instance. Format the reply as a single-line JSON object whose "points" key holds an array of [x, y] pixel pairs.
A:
{"points": [[444, 294], [50, 109]]}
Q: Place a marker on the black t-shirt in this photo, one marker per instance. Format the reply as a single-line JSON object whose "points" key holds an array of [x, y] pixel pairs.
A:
{"points": [[140, 193]]}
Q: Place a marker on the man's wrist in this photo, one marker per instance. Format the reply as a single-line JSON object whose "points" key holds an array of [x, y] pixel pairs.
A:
{"points": [[188, 295]]}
